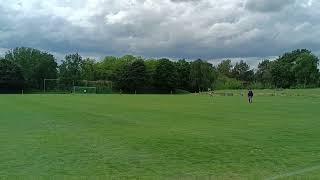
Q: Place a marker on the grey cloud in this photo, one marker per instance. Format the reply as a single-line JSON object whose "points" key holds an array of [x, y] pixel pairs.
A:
{"points": [[206, 29], [267, 5], [178, 1]]}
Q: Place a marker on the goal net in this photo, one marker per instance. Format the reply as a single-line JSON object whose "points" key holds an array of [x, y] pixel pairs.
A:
{"points": [[102, 87], [84, 90], [53, 86], [66, 86]]}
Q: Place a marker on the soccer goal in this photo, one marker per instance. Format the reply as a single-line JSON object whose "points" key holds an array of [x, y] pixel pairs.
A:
{"points": [[102, 87], [84, 90], [53, 86], [58, 86]]}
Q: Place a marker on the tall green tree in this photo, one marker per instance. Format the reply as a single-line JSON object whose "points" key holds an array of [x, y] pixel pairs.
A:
{"points": [[241, 71], [263, 74], [70, 69], [35, 65], [131, 77], [306, 69], [225, 68], [296, 68], [11, 76], [151, 66], [137, 75], [202, 75], [88, 69], [281, 74], [127, 59], [165, 75], [106, 68], [183, 74]]}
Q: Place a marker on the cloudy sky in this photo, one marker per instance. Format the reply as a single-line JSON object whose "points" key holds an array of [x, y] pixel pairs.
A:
{"points": [[208, 29]]}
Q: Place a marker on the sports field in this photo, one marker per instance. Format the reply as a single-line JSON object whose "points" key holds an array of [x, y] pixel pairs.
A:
{"points": [[160, 136]]}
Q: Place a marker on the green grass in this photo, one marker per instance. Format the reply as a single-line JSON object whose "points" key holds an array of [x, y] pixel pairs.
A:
{"points": [[158, 136], [279, 92]]}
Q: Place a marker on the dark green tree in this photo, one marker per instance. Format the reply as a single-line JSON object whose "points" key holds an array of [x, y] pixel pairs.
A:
{"points": [[88, 69], [241, 71], [70, 70], [151, 66], [106, 69], [249, 77], [131, 77], [263, 74], [202, 75], [35, 65], [137, 75], [165, 75], [306, 70], [121, 77], [183, 74], [297, 68], [11, 77], [225, 68], [281, 74]]}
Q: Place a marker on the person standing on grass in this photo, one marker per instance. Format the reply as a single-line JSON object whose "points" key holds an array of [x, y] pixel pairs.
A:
{"points": [[250, 96]]}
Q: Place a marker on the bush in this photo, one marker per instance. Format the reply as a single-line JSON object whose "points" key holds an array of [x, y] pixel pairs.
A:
{"points": [[257, 85], [224, 82], [181, 91]]}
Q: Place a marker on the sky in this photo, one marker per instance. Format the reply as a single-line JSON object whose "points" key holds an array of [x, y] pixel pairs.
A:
{"points": [[208, 29]]}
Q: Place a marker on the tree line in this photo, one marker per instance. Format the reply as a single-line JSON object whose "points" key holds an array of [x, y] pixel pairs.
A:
{"points": [[26, 68]]}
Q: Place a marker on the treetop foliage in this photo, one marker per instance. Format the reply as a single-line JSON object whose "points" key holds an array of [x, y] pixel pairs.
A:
{"points": [[27, 68]]}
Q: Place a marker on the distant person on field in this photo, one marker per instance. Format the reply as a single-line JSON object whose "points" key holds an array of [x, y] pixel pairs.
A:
{"points": [[250, 96]]}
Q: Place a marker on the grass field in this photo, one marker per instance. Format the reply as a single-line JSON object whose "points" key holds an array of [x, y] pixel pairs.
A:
{"points": [[160, 136]]}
